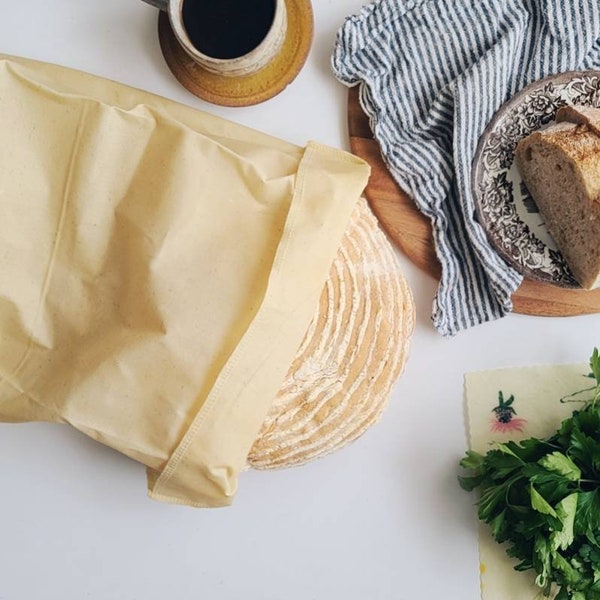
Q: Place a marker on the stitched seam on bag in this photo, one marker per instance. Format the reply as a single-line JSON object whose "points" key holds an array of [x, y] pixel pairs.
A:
{"points": [[52, 261], [206, 409], [293, 217]]}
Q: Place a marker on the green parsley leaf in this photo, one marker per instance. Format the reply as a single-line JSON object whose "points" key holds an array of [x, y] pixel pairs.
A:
{"points": [[538, 502], [588, 515], [559, 463], [472, 460], [566, 510]]}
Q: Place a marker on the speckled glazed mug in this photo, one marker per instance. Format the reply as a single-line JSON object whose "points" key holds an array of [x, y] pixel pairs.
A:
{"points": [[194, 41]]}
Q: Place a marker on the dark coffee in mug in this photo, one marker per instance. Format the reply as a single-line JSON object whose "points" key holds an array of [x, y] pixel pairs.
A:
{"points": [[227, 29]]}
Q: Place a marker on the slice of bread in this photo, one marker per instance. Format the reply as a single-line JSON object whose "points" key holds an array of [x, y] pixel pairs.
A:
{"points": [[561, 168]]}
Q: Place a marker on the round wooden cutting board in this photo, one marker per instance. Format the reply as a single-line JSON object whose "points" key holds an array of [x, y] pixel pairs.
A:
{"points": [[411, 232]]}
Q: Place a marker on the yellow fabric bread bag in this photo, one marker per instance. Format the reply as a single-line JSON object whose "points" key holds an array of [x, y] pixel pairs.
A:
{"points": [[159, 268]]}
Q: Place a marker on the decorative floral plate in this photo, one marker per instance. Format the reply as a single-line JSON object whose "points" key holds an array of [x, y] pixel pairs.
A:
{"points": [[505, 209]]}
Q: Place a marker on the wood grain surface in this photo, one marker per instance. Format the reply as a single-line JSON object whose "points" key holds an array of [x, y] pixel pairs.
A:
{"points": [[411, 232]]}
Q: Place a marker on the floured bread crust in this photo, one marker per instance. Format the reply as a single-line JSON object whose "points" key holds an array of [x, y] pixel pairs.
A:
{"points": [[353, 352]]}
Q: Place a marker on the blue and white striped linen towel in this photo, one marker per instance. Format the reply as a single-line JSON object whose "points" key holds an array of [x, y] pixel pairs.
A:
{"points": [[433, 73]]}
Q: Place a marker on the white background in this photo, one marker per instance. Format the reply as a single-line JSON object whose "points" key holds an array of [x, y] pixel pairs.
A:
{"points": [[382, 519]]}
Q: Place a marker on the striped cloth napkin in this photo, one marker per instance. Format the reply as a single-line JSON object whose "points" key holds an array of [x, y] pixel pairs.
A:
{"points": [[432, 74]]}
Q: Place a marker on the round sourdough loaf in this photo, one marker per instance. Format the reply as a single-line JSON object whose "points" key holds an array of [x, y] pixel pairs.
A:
{"points": [[353, 352]]}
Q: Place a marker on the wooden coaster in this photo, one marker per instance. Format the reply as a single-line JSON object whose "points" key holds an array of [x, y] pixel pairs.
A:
{"points": [[249, 89], [411, 231], [352, 353]]}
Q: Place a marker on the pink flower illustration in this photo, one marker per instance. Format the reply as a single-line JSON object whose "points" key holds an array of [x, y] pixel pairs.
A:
{"points": [[515, 424], [505, 419]]}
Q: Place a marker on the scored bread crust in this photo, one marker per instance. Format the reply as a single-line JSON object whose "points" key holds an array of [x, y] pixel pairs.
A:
{"points": [[560, 167], [580, 115], [353, 352]]}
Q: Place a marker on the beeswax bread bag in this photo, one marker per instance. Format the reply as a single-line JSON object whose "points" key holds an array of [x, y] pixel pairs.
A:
{"points": [[159, 268]]}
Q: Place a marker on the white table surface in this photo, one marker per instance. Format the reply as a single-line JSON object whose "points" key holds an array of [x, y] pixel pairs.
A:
{"points": [[383, 519]]}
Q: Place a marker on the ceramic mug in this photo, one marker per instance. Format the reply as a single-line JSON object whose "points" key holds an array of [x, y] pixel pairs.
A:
{"points": [[215, 39]]}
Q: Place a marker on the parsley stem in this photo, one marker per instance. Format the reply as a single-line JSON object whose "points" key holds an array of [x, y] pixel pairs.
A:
{"points": [[565, 398]]}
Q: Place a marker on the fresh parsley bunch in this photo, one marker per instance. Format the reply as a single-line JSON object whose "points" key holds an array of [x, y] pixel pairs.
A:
{"points": [[542, 497]]}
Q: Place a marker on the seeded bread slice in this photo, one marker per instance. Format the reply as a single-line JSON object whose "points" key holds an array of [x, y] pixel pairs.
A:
{"points": [[561, 168]]}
